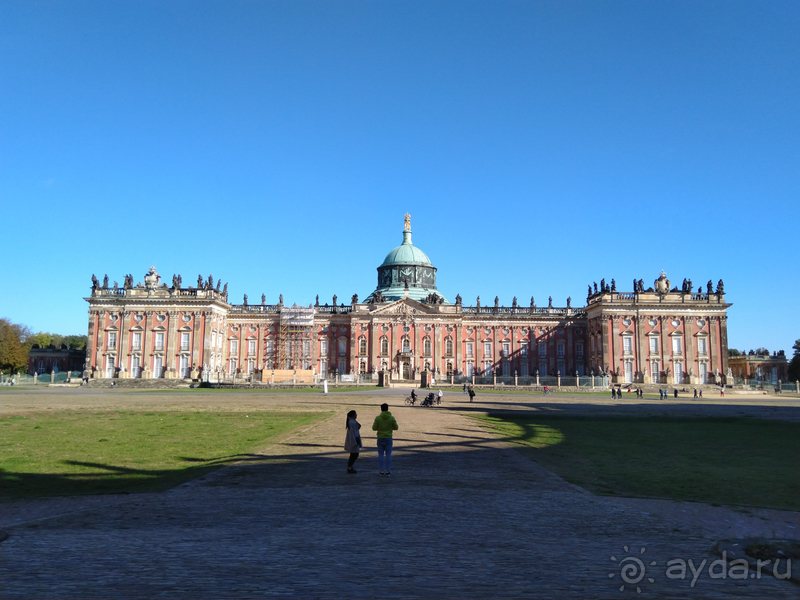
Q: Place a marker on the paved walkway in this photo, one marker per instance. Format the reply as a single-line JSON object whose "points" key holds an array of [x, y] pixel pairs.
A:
{"points": [[464, 516]]}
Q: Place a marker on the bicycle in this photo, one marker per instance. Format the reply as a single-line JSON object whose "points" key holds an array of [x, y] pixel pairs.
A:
{"points": [[411, 401]]}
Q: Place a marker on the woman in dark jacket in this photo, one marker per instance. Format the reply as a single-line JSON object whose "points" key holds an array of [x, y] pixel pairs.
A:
{"points": [[352, 441]]}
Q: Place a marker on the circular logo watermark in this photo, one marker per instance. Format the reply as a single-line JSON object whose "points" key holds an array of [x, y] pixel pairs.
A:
{"points": [[632, 569]]}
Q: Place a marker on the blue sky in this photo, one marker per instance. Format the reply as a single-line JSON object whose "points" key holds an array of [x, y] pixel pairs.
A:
{"points": [[538, 146]]}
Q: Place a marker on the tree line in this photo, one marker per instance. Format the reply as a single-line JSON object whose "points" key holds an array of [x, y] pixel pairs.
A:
{"points": [[16, 340]]}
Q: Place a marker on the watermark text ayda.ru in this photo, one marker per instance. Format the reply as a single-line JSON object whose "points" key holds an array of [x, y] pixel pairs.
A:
{"points": [[634, 573]]}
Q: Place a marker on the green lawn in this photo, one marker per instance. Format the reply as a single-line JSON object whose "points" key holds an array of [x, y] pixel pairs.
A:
{"points": [[259, 390], [82, 452], [735, 461]]}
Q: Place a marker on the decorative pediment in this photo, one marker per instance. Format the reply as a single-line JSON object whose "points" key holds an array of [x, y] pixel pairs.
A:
{"points": [[407, 307]]}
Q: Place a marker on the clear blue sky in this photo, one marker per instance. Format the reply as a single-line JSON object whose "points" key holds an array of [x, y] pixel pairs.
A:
{"points": [[539, 146]]}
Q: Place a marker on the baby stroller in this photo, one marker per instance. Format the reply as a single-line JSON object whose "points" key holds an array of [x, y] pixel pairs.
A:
{"points": [[430, 400]]}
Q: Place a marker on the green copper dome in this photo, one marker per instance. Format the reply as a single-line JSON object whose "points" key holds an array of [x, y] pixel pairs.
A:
{"points": [[406, 254], [407, 272]]}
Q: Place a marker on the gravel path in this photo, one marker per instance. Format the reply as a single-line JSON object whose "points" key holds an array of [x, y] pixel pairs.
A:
{"points": [[463, 516]]}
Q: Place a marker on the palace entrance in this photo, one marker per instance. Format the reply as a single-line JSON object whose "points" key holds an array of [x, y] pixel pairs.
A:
{"points": [[405, 368]]}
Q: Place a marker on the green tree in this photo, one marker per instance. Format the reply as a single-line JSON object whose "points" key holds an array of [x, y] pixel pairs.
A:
{"points": [[76, 342], [794, 364], [13, 354], [733, 352], [42, 339]]}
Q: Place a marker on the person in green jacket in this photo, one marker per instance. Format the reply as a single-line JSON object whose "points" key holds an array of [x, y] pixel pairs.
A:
{"points": [[385, 424]]}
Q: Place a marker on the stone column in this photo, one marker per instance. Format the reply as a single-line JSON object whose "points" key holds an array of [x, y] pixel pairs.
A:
{"points": [[417, 347], [641, 347], [570, 364], [171, 347], [123, 352], [515, 359], [438, 351], [458, 348], [713, 353], [666, 350], [723, 343], [688, 334], [147, 330], [91, 346], [353, 348], [617, 347], [374, 347], [197, 340]]}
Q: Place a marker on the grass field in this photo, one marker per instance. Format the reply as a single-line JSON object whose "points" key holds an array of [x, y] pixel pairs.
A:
{"points": [[85, 452], [735, 461]]}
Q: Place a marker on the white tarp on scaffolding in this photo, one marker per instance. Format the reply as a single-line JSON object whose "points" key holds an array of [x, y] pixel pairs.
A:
{"points": [[296, 316]]}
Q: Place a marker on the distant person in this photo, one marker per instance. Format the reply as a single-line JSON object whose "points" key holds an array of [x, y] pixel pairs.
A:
{"points": [[413, 396], [471, 393], [661, 393], [546, 390], [385, 424], [695, 392], [465, 388], [439, 396], [675, 391], [352, 440], [722, 391], [613, 393], [701, 393]]}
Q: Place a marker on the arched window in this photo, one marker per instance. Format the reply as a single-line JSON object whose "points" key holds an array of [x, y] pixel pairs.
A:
{"points": [[448, 347], [362, 346], [384, 346], [426, 346], [448, 368], [363, 368], [406, 345]]}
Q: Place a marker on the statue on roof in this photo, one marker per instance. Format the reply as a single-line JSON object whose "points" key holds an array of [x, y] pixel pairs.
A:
{"points": [[458, 299], [199, 282], [105, 281], [245, 299], [589, 293], [710, 286], [210, 282], [263, 299], [180, 280], [514, 302], [116, 287], [334, 299], [280, 299], [602, 285], [407, 224], [720, 287], [478, 302], [532, 302], [613, 286], [569, 302], [219, 282], [95, 283], [550, 302], [496, 301], [224, 289], [174, 281], [354, 299]]}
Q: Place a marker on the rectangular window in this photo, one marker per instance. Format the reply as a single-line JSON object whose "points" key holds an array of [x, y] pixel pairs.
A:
{"points": [[627, 345], [184, 341], [185, 367], [110, 366], [135, 367], [342, 348], [579, 350], [270, 348], [213, 339], [523, 350], [542, 350], [323, 367], [234, 348], [251, 366], [676, 346], [231, 367], [136, 341], [112, 340], [158, 366], [702, 349], [560, 350], [251, 347], [506, 350], [678, 372], [306, 348], [470, 349], [654, 372], [653, 345], [703, 373], [487, 349], [323, 347]]}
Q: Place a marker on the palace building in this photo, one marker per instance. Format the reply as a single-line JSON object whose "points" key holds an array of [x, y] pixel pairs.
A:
{"points": [[661, 334]]}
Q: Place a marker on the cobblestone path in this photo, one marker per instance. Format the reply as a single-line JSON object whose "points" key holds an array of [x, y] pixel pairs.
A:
{"points": [[463, 516]]}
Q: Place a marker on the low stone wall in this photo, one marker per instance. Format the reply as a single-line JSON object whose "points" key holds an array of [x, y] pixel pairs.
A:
{"points": [[143, 384]]}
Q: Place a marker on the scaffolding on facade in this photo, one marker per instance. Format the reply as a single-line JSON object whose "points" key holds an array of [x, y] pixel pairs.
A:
{"points": [[294, 337]]}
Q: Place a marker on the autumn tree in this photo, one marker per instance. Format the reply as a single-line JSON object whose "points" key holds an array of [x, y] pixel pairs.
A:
{"points": [[13, 353]]}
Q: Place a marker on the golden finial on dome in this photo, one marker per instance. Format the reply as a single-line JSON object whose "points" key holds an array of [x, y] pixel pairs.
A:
{"points": [[408, 223]]}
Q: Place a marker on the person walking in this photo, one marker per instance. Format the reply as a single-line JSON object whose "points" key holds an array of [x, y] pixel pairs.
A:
{"points": [[471, 393], [613, 394], [695, 392], [385, 424], [439, 396], [352, 441], [465, 388]]}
